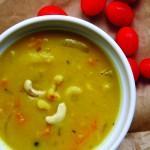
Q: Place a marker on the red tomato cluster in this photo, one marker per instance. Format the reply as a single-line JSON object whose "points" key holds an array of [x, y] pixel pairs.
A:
{"points": [[127, 39], [134, 67], [92, 7], [130, 1], [51, 10], [120, 14], [145, 68]]}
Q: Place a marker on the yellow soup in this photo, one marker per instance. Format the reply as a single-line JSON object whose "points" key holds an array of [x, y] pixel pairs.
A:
{"points": [[58, 91]]}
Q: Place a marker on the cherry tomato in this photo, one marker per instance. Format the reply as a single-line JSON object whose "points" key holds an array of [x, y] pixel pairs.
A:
{"points": [[130, 1], [134, 68], [145, 68], [128, 40], [119, 13], [92, 7], [51, 10]]}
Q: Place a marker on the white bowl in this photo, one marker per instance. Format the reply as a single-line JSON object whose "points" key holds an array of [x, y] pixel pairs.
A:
{"points": [[100, 38]]}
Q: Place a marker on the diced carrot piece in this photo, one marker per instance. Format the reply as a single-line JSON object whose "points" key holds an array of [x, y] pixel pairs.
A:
{"points": [[46, 131], [52, 98], [80, 140], [52, 95], [92, 61], [20, 118], [36, 43], [17, 103], [3, 83], [94, 125]]}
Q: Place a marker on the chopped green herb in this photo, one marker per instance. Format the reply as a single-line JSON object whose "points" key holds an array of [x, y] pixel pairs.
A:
{"points": [[106, 72]]}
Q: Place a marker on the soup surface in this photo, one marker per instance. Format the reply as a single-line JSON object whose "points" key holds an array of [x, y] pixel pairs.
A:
{"points": [[58, 91]]}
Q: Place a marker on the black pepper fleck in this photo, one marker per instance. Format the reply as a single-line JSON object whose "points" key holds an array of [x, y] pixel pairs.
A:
{"points": [[74, 131], [6, 90], [36, 143], [68, 62], [59, 132], [38, 49]]}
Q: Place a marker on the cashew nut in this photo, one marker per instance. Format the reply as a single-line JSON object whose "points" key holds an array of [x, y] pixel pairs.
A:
{"points": [[31, 91], [58, 116]]}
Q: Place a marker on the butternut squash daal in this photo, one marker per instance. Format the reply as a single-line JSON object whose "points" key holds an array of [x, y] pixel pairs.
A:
{"points": [[58, 91]]}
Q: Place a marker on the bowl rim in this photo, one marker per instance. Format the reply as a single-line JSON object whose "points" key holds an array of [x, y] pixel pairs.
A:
{"points": [[107, 38]]}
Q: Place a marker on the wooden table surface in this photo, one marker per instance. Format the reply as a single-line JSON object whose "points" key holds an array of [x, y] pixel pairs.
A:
{"points": [[14, 11]]}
